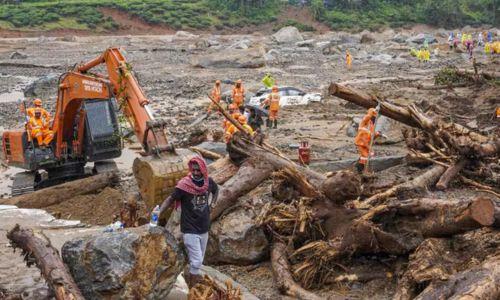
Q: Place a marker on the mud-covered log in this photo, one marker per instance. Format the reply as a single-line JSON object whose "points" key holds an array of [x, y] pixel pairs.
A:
{"points": [[423, 181], [458, 137], [438, 217], [250, 174], [48, 261], [282, 275], [482, 282], [59, 193], [449, 174], [222, 170]]}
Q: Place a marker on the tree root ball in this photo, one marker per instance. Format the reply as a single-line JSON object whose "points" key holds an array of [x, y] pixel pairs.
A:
{"points": [[342, 187]]}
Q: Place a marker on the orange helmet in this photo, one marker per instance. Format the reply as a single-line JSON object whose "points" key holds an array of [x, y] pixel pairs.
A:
{"points": [[217, 82], [236, 115], [275, 88], [372, 112], [242, 119], [37, 102]]}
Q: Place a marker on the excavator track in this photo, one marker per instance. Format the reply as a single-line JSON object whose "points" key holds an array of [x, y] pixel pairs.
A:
{"points": [[23, 183]]}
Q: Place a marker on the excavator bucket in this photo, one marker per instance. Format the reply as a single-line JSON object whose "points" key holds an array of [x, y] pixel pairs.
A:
{"points": [[157, 176]]}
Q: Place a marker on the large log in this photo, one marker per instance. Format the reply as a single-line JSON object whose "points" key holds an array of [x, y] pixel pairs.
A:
{"points": [[282, 275], [48, 261], [423, 181], [482, 282], [222, 170], [449, 174], [250, 174], [463, 140], [59, 193]]}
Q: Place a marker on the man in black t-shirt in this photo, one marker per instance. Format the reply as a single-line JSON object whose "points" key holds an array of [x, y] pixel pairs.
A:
{"points": [[196, 193]]}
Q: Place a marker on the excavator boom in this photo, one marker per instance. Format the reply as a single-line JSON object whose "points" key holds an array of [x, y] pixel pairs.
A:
{"points": [[131, 99]]}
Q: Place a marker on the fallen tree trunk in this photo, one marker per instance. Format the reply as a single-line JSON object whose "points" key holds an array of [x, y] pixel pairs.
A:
{"points": [[48, 261], [250, 174], [222, 170], [283, 276], [59, 193], [449, 174], [482, 282], [420, 182], [461, 139]]}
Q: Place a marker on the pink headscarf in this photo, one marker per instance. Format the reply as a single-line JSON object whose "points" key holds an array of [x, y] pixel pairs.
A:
{"points": [[186, 183]]}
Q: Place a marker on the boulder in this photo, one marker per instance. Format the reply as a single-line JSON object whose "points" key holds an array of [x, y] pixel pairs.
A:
{"points": [[44, 87], [249, 58], [306, 43], [201, 44], [288, 34], [367, 38], [421, 37], [400, 38], [331, 48], [141, 263], [272, 56], [235, 239], [18, 55], [69, 38], [242, 44], [184, 35], [349, 39]]}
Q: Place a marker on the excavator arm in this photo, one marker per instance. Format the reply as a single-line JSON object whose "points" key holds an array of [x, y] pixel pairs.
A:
{"points": [[131, 99]]}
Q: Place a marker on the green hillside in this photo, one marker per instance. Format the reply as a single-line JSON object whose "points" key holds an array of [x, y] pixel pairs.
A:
{"points": [[218, 14]]}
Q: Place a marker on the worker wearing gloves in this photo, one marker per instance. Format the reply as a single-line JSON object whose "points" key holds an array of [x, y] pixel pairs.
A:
{"points": [[366, 131], [232, 129], [38, 105], [196, 192], [238, 94], [273, 100], [39, 129], [216, 95]]}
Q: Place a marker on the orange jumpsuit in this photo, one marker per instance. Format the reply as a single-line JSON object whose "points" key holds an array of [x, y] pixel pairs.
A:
{"points": [[274, 105], [226, 123], [348, 59], [238, 95], [216, 95], [31, 112], [365, 131], [40, 131]]}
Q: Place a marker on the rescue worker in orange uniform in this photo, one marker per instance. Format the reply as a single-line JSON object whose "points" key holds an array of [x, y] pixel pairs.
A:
{"points": [[38, 105], [238, 94], [348, 59], [232, 129], [365, 132], [234, 112], [273, 100], [216, 95], [39, 128]]}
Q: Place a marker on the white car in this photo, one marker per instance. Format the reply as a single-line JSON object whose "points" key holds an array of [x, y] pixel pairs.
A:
{"points": [[289, 96]]}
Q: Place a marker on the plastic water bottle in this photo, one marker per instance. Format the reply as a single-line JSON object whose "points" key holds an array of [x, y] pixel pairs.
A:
{"points": [[154, 216]]}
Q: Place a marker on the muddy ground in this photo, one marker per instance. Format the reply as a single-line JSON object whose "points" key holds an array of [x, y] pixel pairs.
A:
{"points": [[165, 68]]}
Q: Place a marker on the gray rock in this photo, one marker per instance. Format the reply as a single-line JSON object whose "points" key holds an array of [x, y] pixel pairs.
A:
{"points": [[44, 87], [349, 39], [219, 148], [288, 34], [18, 55], [213, 42], [421, 37], [331, 48], [132, 264], [400, 38], [272, 56], [69, 38], [242, 44], [306, 43], [249, 58], [235, 239], [367, 38], [201, 44], [184, 35]]}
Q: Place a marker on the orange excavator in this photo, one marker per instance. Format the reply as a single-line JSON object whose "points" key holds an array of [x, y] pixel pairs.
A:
{"points": [[86, 130]]}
